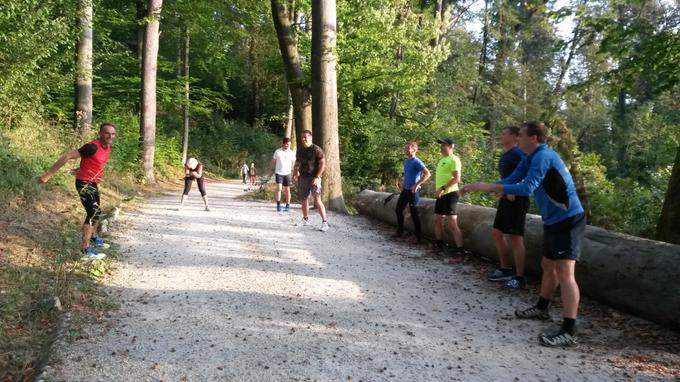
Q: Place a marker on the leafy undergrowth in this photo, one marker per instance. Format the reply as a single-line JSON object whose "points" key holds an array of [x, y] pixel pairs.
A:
{"points": [[42, 274]]}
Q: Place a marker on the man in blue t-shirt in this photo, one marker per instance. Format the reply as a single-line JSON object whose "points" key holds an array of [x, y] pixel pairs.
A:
{"points": [[415, 174], [543, 174]]}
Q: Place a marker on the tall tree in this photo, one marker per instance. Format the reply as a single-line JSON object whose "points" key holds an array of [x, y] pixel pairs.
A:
{"points": [[668, 229], [186, 104], [147, 125], [83, 94], [299, 88], [325, 95]]}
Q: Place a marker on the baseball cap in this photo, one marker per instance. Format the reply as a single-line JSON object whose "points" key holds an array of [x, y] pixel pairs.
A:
{"points": [[446, 140]]}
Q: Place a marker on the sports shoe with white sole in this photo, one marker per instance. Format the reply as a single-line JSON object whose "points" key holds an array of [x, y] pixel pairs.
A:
{"points": [[92, 254], [324, 227], [302, 223], [558, 339], [99, 243], [533, 312]]}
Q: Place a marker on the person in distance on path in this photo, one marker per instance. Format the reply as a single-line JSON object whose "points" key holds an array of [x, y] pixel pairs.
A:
{"points": [[281, 165], [193, 169]]}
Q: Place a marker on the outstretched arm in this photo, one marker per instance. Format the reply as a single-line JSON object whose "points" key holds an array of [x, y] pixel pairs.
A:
{"points": [[58, 164]]}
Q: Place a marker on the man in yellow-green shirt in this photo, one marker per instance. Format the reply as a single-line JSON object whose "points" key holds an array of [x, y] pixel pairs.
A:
{"points": [[447, 178]]}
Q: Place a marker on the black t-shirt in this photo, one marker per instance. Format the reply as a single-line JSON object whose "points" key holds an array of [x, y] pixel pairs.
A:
{"points": [[309, 158], [88, 150]]}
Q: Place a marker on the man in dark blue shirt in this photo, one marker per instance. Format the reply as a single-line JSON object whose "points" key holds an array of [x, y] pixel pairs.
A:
{"points": [[543, 174], [510, 216], [415, 175]]}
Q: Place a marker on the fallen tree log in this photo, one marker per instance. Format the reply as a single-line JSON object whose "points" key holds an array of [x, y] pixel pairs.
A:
{"points": [[636, 275]]}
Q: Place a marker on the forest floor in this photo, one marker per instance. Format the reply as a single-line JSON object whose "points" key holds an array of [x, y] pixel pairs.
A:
{"points": [[241, 294]]}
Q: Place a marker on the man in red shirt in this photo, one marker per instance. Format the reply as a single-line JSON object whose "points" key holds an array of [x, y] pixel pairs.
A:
{"points": [[93, 157]]}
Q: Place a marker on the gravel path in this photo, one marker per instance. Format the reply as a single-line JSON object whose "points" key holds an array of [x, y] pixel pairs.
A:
{"points": [[241, 294]]}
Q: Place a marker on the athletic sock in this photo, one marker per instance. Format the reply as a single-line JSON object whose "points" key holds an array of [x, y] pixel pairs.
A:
{"points": [[568, 325], [505, 269], [278, 203], [542, 303], [440, 244]]}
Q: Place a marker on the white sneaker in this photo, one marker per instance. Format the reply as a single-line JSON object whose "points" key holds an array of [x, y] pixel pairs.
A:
{"points": [[302, 223], [324, 227]]}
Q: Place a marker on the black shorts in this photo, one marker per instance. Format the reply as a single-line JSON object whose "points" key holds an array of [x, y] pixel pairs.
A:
{"points": [[564, 239], [510, 215], [446, 204], [305, 187], [283, 180], [89, 197]]}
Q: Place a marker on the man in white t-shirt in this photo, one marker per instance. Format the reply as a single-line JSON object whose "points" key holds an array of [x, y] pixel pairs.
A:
{"points": [[283, 161]]}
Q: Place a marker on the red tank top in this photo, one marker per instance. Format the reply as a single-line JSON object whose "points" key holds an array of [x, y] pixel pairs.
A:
{"points": [[92, 167]]}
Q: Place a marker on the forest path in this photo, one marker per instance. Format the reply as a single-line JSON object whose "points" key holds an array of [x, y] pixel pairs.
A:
{"points": [[241, 294]]}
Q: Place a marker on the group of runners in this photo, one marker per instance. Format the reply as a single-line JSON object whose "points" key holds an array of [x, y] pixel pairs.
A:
{"points": [[527, 167]]}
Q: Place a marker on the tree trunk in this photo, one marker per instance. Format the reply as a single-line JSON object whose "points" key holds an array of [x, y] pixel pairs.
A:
{"points": [[141, 14], [83, 104], [290, 121], [185, 104], [149, 68], [325, 95], [484, 52], [299, 89], [668, 229]]}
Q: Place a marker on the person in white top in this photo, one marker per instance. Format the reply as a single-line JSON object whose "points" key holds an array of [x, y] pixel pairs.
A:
{"points": [[282, 165], [244, 172]]}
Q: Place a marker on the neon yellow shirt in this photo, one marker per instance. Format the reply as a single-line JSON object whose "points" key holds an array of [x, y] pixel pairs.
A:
{"points": [[444, 173]]}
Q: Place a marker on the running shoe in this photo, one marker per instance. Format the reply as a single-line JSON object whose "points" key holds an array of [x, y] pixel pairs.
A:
{"points": [[501, 275], [278, 208], [286, 208], [302, 223], [515, 284], [92, 254], [207, 208], [533, 312], [558, 339], [324, 227], [99, 243]]}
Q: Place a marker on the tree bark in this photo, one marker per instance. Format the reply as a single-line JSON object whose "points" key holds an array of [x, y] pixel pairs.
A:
{"points": [[288, 133], [148, 109], [185, 104], [299, 89], [141, 14], [325, 95], [668, 229], [83, 101]]}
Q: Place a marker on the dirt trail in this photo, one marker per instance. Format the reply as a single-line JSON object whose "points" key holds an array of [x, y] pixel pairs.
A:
{"points": [[241, 294]]}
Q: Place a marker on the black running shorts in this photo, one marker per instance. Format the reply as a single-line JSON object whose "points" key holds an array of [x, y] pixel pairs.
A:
{"points": [[564, 239], [446, 204], [511, 215], [283, 180]]}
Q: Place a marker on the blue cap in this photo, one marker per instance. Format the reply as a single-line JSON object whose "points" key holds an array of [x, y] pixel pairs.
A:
{"points": [[446, 140]]}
